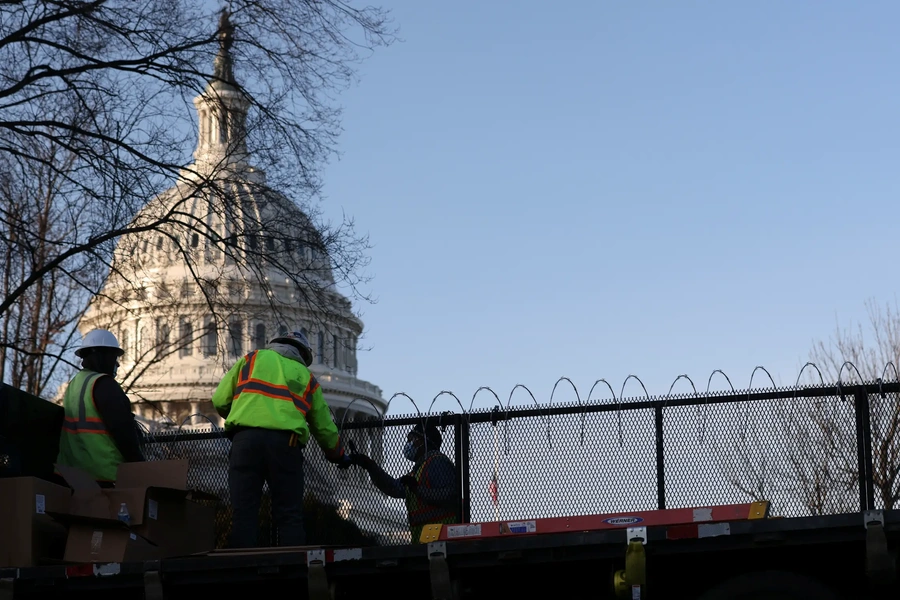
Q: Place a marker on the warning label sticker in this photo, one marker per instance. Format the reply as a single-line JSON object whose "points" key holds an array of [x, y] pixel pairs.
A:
{"points": [[458, 531], [518, 527], [96, 542]]}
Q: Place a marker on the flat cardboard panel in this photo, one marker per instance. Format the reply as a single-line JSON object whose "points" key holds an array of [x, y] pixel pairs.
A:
{"points": [[154, 473], [96, 543], [27, 532], [87, 497], [77, 479]]}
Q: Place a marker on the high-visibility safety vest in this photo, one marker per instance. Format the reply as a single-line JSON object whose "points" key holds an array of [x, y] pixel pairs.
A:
{"points": [[419, 512], [84, 441], [267, 390]]}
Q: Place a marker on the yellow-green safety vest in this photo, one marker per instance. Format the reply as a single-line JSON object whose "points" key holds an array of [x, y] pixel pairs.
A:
{"points": [[266, 390], [84, 441]]}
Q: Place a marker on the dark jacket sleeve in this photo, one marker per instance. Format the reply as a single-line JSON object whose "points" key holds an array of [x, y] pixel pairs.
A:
{"points": [[384, 482], [115, 410]]}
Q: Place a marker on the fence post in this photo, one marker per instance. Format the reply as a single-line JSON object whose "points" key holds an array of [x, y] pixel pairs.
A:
{"points": [[660, 460], [461, 452], [864, 449]]}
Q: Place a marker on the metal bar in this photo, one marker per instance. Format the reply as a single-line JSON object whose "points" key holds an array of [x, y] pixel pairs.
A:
{"points": [[466, 472], [867, 449], [612, 521], [861, 409], [660, 461], [461, 458]]}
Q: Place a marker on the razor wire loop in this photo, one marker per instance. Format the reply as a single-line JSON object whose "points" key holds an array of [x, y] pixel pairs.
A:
{"points": [[449, 393], [440, 416], [494, 416], [793, 404], [622, 391], [840, 383], [890, 363], [618, 407], [536, 403], [709, 381], [814, 366], [405, 395], [841, 373], [749, 391], [416, 406], [706, 398], [577, 397], [696, 396], [347, 411], [472, 403]]}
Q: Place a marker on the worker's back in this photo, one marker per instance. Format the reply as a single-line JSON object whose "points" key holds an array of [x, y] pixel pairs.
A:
{"points": [[269, 392], [84, 441]]}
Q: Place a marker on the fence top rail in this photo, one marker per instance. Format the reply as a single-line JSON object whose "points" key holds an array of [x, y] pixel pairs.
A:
{"points": [[499, 413]]}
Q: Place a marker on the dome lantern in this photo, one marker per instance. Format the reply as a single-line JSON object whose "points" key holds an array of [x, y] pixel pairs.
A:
{"points": [[222, 109]]}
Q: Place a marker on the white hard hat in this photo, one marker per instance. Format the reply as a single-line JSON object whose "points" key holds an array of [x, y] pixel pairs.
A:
{"points": [[99, 338]]}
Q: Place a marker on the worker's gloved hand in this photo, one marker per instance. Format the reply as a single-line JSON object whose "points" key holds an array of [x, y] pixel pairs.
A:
{"points": [[410, 482], [359, 459], [344, 462]]}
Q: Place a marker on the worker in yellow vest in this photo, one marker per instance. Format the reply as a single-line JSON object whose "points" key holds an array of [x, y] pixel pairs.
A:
{"points": [[271, 404], [430, 490], [99, 431]]}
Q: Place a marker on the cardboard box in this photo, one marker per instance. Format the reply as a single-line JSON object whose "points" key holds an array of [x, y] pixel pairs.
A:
{"points": [[28, 533], [162, 511], [105, 540]]}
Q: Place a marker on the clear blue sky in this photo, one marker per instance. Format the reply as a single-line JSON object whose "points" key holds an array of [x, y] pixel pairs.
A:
{"points": [[604, 188]]}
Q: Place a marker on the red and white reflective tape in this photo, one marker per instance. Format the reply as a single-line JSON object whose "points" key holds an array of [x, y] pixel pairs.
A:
{"points": [[697, 530], [93, 570], [326, 556]]}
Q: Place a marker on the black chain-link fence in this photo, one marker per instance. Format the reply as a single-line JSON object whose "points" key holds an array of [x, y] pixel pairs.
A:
{"points": [[810, 450]]}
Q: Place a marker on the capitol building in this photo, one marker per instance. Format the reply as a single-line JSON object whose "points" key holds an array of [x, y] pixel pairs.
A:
{"points": [[185, 312]]}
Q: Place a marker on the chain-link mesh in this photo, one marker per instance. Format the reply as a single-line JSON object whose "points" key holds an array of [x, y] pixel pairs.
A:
{"points": [[797, 448]]}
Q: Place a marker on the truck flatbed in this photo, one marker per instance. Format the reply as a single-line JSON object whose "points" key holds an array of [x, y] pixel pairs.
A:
{"points": [[853, 555]]}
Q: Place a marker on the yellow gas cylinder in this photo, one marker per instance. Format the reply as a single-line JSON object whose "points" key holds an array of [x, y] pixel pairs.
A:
{"points": [[631, 583]]}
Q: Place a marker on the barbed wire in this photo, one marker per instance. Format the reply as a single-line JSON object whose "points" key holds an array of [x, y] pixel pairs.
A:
{"points": [[621, 399], [620, 402]]}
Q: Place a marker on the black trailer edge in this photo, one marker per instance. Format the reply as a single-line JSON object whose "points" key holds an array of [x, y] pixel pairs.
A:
{"points": [[849, 556]]}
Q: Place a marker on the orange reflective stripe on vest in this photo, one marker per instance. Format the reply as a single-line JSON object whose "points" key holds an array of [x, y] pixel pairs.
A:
{"points": [[85, 426], [84, 423], [248, 384]]}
